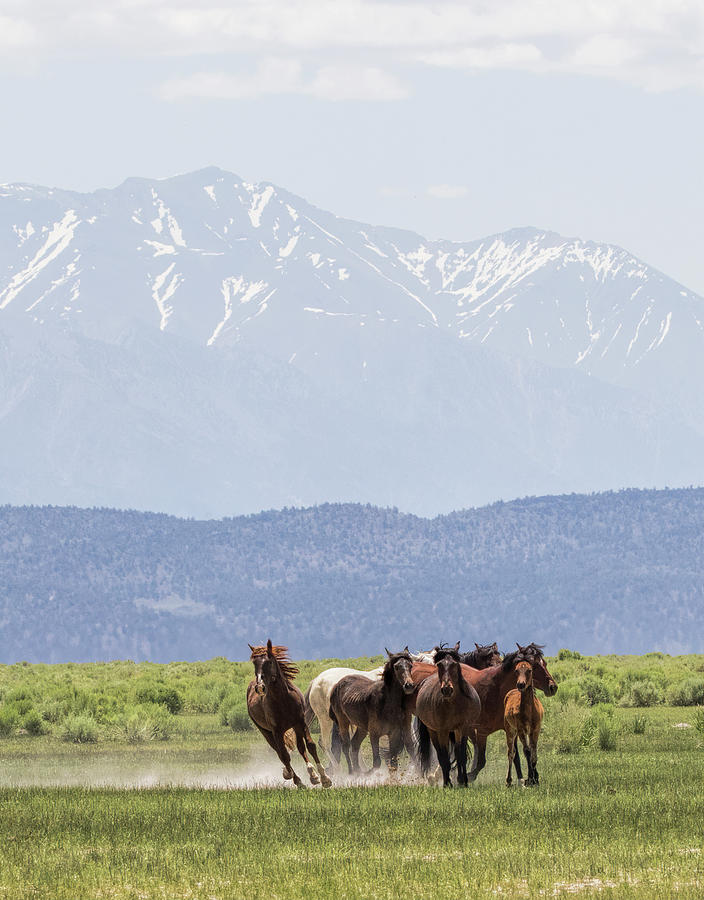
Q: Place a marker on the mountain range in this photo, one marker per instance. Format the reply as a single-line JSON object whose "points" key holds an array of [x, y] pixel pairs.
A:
{"points": [[618, 572], [208, 347]]}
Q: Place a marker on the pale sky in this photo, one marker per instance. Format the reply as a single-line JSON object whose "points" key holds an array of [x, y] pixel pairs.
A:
{"points": [[455, 120]]}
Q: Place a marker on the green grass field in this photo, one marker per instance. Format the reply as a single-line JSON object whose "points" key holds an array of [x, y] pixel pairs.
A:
{"points": [[130, 813]]}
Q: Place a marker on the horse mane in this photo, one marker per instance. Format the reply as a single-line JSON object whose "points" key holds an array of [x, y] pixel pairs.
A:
{"points": [[534, 650], [288, 669]]}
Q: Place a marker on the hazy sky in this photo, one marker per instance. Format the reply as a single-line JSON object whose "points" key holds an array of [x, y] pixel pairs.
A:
{"points": [[453, 119]]}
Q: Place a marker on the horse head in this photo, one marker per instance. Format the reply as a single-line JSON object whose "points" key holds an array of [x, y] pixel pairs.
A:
{"points": [[487, 655], [398, 666], [447, 661], [542, 679], [270, 663], [524, 674]]}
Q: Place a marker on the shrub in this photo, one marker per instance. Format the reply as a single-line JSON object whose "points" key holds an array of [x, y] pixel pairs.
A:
{"points": [[80, 728], [239, 721], [639, 724], [687, 693], [160, 693], [146, 722], [699, 720], [563, 731], [8, 720], [54, 711], [599, 729], [233, 713], [595, 690], [642, 693], [568, 654], [34, 724]]}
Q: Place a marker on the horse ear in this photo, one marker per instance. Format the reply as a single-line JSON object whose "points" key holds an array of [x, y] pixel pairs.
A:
{"points": [[388, 652], [476, 645], [456, 648], [269, 648], [520, 649], [405, 649], [251, 647]]}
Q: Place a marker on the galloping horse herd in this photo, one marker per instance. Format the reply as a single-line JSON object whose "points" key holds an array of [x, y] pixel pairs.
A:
{"points": [[419, 701]]}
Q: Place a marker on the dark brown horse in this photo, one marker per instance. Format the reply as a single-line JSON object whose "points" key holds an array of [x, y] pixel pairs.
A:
{"points": [[375, 708], [523, 715], [482, 657], [275, 704], [492, 685], [448, 706]]}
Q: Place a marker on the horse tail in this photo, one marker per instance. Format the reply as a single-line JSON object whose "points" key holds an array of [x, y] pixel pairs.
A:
{"points": [[423, 744], [308, 714]]}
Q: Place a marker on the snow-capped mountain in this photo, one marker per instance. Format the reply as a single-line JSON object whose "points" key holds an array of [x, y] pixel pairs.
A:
{"points": [[226, 346]]}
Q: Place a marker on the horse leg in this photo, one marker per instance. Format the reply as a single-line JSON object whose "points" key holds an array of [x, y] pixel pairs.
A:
{"points": [[479, 755], [359, 736], [313, 750], [302, 749], [517, 759], [461, 757], [285, 758], [443, 754], [325, 742], [344, 729], [269, 737], [529, 758], [396, 744], [534, 753], [376, 756], [409, 742], [510, 752]]}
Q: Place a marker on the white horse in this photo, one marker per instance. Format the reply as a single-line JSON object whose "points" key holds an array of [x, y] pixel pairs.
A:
{"points": [[317, 696]]}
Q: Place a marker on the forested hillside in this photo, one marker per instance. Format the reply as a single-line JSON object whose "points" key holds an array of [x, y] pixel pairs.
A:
{"points": [[615, 572]]}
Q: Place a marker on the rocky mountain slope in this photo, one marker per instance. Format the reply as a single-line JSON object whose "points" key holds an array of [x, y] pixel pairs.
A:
{"points": [[205, 346]]}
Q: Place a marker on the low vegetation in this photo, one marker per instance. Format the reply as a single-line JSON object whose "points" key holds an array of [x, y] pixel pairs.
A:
{"points": [[618, 813]]}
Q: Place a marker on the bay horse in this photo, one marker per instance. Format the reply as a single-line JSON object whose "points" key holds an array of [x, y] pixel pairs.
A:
{"points": [[375, 708], [523, 715], [448, 706], [275, 704], [492, 685]]}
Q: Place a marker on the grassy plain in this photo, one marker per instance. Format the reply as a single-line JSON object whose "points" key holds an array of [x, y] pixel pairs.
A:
{"points": [[128, 814]]}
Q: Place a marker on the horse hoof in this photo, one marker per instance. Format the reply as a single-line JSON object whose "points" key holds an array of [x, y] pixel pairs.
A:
{"points": [[325, 781], [288, 774], [314, 778], [299, 784]]}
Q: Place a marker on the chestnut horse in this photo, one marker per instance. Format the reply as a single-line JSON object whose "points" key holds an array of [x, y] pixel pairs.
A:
{"points": [[375, 708], [448, 707], [275, 704], [492, 685], [523, 715]]}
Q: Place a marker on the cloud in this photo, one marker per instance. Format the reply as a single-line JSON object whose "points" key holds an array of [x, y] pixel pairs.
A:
{"points": [[446, 191], [652, 43], [353, 83], [286, 76]]}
